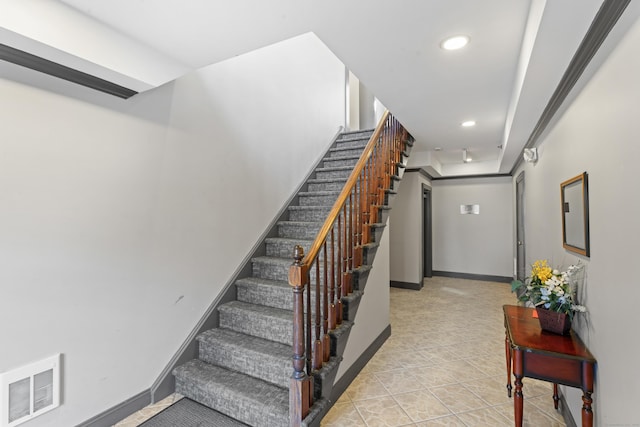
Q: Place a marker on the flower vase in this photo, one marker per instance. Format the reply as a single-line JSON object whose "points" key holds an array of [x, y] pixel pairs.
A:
{"points": [[552, 321]]}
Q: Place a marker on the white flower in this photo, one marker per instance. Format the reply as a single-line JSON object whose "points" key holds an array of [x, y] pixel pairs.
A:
{"points": [[556, 272]]}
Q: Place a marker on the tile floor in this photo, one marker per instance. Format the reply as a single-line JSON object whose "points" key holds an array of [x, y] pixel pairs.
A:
{"points": [[443, 365]]}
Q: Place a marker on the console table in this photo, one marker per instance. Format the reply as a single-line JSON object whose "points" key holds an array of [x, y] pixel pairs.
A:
{"points": [[534, 353]]}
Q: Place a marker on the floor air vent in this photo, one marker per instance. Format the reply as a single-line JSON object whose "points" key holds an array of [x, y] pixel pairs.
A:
{"points": [[29, 391]]}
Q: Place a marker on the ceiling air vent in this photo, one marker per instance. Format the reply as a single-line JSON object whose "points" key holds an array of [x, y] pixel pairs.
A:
{"points": [[29, 391], [25, 59]]}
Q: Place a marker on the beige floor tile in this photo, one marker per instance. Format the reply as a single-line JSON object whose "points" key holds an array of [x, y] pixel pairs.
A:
{"points": [[421, 405], [399, 381], [441, 354], [462, 370], [532, 416], [457, 398], [485, 417], [434, 376], [388, 361], [366, 386], [545, 404], [382, 412], [449, 421], [343, 415], [490, 389], [535, 388], [491, 365], [344, 398]]}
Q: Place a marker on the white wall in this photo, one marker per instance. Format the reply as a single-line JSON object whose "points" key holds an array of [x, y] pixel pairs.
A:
{"points": [[406, 223], [598, 134], [120, 221], [474, 244]]}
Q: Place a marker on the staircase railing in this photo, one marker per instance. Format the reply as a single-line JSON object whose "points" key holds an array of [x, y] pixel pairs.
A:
{"points": [[335, 257]]}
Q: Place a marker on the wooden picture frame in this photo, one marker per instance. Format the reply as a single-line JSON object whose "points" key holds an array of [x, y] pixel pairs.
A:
{"points": [[574, 194]]}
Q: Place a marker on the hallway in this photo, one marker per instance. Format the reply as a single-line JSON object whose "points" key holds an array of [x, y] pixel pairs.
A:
{"points": [[443, 365]]}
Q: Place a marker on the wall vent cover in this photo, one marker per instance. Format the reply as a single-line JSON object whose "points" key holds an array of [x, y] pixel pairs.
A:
{"points": [[29, 391]]}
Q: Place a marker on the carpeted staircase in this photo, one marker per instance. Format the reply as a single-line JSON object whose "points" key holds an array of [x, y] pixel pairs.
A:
{"points": [[244, 366]]}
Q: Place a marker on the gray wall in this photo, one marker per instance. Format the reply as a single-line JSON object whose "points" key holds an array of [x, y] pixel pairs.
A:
{"points": [[406, 225], [474, 244], [598, 133], [120, 221]]}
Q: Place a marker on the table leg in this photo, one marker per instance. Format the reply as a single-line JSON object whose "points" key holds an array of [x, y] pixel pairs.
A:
{"points": [[587, 413], [587, 389], [507, 351], [518, 399], [556, 399]]}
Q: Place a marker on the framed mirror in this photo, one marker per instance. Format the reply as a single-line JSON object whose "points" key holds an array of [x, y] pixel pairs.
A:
{"points": [[574, 195]]}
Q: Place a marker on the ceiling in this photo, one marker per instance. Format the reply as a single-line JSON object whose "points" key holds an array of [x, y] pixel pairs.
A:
{"points": [[504, 78]]}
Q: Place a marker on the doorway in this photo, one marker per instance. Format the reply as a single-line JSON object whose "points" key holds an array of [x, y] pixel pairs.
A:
{"points": [[520, 245], [427, 240]]}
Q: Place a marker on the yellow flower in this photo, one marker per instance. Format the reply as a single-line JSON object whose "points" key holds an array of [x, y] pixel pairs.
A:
{"points": [[541, 270]]}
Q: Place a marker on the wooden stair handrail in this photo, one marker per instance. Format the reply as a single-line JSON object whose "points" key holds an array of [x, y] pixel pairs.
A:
{"points": [[344, 194], [338, 250]]}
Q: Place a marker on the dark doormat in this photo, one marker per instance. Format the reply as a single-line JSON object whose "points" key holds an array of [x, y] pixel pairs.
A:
{"points": [[187, 413]]}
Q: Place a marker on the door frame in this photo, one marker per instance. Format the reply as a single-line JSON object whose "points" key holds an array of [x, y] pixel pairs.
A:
{"points": [[520, 236], [427, 232]]}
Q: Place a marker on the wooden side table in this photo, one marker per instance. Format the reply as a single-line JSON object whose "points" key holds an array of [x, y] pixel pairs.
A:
{"points": [[534, 353]]}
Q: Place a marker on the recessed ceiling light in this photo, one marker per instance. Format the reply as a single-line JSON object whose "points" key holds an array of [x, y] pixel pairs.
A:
{"points": [[468, 123], [453, 43]]}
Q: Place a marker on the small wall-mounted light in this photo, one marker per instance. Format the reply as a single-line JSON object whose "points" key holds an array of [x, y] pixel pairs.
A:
{"points": [[466, 157], [530, 155], [468, 124]]}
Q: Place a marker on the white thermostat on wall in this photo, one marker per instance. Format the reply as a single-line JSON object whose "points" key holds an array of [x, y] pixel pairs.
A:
{"points": [[469, 209]]}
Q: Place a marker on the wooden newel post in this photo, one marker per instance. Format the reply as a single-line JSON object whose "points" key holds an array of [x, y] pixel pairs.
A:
{"points": [[301, 385]]}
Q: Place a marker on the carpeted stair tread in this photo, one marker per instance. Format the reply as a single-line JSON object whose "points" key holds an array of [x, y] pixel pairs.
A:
{"points": [[335, 168], [325, 181], [355, 135], [283, 247], [264, 359], [288, 240], [334, 172], [299, 229], [318, 198], [301, 223], [309, 213], [343, 157], [338, 150], [272, 268], [271, 293], [188, 413], [272, 260], [270, 323], [345, 160], [319, 193], [247, 399]]}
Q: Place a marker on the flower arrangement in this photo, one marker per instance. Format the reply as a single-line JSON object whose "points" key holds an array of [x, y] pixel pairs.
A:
{"points": [[549, 288]]}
